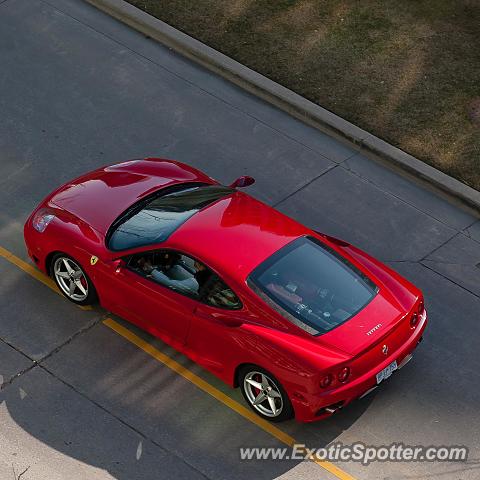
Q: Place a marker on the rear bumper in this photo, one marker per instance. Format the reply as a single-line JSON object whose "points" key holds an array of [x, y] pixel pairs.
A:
{"points": [[317, 407]]}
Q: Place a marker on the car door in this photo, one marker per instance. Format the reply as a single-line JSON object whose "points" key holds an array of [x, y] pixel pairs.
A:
{"points": [[206, 326], [217, 337], [154, 306]]}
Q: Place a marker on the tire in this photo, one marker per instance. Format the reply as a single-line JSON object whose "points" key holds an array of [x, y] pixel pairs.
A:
{"points": [[271, 387], [72, 280]]}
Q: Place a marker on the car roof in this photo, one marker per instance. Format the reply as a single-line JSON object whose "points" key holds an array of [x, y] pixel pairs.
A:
{"points": [[232, 235], [235, 234]]}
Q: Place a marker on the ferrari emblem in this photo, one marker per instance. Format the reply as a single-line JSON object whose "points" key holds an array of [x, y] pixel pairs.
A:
{"points": [[385, 349], [93, 260]]}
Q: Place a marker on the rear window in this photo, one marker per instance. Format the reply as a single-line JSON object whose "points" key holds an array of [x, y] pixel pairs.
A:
{"points": [[153, 219], [312, 285]]}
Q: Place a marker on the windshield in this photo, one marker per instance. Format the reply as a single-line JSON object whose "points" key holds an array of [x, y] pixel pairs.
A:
{"points": [[155, 218], [312, 285]]}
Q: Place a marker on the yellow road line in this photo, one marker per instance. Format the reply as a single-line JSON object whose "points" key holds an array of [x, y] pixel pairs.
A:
{"points": [[181, 370], [198, 381], [217, 394], [33, 272]]}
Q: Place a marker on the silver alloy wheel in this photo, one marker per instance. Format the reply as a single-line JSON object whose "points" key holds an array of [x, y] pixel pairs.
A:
{"points": [[263, 394], [71, 279]]}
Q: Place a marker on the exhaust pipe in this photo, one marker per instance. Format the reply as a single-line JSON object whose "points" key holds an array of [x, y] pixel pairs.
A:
{"points": [[331, 410]]}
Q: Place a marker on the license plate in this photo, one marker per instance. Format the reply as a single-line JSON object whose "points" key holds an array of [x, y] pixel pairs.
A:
{"points": [[386, 372]]}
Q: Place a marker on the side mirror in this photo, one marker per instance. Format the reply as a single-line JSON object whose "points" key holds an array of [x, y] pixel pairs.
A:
{"points": [[243, 181]]}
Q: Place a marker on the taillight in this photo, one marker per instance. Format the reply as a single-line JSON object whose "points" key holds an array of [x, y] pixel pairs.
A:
{"points": [[417, 315], [326, 380], [343, 374], [421, 308], [41, 220]]}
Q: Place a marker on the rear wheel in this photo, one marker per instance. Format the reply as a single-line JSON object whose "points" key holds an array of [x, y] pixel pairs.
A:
{"points": [[72, 281], [264, 394]]}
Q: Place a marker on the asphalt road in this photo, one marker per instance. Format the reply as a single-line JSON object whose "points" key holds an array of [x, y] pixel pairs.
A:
{"points": [[79, 90]]}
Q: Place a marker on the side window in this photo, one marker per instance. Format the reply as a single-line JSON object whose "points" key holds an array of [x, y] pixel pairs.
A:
{"points": [[184, 275], [217, 294], [170, 269]]}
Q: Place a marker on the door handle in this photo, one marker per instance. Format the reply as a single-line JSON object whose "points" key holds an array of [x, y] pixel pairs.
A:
{"points": [[204, 313], [218, 317]]}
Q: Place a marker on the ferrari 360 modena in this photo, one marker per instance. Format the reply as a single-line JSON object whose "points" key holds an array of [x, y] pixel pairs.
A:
{"points": [[303, 323]]}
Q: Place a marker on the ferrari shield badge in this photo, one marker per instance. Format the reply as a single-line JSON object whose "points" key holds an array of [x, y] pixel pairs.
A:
{"points": [[93, 260]]}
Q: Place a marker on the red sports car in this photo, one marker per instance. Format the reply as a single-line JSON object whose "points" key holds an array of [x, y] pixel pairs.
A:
{"points": [[302, 322]]}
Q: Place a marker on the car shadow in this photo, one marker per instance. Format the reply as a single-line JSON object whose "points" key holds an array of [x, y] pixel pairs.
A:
{"points": [[102, 401]]}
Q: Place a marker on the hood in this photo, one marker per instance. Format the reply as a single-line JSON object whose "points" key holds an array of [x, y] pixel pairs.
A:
{"points": [[99, 197]]}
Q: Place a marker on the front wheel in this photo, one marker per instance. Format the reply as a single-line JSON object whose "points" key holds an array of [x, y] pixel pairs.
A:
{"points": [[72, 281], [264, 394]]}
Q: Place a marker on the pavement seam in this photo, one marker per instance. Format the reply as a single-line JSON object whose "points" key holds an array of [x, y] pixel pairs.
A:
{"points": [[72, 337], [468, 234], [421, 263], [17, 375], [6, 342], [442, 262], [50, 354], [354, 154], [191, 83], [305, 185], [344, 166], [123, 422], [370, 182], [438, 248], [472, 224], [450, 280], [383, 190], [399, 261]]}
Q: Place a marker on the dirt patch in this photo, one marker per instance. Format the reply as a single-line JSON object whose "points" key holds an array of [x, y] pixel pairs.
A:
{"points": [[408, 72], [474, 111]]}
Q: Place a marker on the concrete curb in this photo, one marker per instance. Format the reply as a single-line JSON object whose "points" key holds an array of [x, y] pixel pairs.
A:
{"points": [[285, 99]]}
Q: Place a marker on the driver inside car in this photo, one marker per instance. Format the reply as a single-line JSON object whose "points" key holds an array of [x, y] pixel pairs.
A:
{"points": [[171, 273]]}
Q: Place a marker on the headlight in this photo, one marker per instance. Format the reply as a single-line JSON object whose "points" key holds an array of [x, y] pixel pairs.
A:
{"points": [[41, 220]]}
